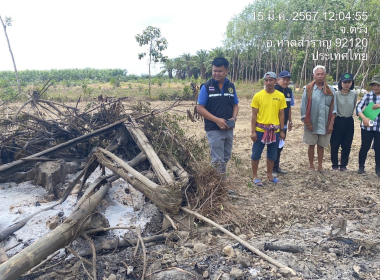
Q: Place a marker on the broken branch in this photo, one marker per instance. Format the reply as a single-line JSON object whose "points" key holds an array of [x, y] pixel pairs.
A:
{"points": [[242, 242]]}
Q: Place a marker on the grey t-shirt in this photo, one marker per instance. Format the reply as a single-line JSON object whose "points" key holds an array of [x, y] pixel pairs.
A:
{"points": [[346, 103]]}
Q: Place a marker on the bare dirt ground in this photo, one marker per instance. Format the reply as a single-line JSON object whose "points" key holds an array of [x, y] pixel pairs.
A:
{"points": [[303, 208], [332, 219]]}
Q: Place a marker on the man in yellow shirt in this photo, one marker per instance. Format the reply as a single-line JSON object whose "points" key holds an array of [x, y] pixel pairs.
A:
{"points": [[267, 125]]}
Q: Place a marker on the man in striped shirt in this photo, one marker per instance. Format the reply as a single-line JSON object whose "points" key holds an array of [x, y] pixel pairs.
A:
{"points": [[370, 128]]}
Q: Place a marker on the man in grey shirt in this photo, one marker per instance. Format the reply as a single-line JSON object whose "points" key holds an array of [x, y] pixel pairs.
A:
{"points": [[318, 110]]}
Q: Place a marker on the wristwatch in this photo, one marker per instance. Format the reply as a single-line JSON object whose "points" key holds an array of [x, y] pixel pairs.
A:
{"points": [[234, 118], [283, 129]]}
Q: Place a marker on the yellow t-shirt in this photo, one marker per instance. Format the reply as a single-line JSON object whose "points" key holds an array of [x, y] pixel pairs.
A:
{"points": [[269, 105]]}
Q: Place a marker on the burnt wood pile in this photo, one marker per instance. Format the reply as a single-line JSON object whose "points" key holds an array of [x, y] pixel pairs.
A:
{"points": [[106, 133], [142, 146]]}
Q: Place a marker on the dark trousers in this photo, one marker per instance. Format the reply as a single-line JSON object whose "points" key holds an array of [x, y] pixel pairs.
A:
{"points": [[277, 161], [342, 136], [367, 137]]}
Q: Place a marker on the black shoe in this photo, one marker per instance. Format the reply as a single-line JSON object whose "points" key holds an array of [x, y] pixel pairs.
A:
{"points": [[281, 171], [343, 168], [361, 170]]}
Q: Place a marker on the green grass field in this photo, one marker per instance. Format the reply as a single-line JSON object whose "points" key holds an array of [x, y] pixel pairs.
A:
{"points": [[164, 91]]}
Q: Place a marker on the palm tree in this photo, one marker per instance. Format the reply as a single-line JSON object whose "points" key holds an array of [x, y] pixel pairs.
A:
{"points": [[214, 53], [217, 52], [200, 61], [168, 67], [187, 60], [178, 66]]}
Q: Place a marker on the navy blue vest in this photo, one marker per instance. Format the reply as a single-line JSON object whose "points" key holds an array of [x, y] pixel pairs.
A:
{"points": [[288, 95], [219, 105]]}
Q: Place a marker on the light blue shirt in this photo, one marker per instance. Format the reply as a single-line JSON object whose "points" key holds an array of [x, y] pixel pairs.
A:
{"points": [[320, 107]]}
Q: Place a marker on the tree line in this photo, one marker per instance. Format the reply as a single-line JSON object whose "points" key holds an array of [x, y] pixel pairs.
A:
{"points": [[296, 35], [40, 76]]}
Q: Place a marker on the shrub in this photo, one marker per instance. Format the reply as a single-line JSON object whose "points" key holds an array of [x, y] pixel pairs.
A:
{"points": [[86, 89], [7, 94], [4, 83], [175, 95], [115, 82], [186, 93], [162, 96]]}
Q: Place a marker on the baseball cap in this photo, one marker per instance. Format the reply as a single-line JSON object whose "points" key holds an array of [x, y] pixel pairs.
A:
{"points": [[347, 77], [284, 74], [375, 80], [271, 75]]}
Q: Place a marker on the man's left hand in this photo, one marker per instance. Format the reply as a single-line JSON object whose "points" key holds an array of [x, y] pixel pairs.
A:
{"points": [[376, 106], [282, 135], [330, 128]]}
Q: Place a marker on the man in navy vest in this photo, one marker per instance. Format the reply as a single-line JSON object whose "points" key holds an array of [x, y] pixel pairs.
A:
{"points": [[217, 103], [283, 86]]}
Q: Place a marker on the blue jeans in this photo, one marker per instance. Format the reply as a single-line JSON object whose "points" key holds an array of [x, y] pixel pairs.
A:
{"points": [[258, 147]]}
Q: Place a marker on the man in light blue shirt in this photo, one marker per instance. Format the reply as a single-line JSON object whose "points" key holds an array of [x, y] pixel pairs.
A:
{"points": [[318, 111]]}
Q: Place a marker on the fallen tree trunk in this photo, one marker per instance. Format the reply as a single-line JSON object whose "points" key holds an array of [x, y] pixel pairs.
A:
{"points": [[63, 235], [167, 198], [5, 169]]}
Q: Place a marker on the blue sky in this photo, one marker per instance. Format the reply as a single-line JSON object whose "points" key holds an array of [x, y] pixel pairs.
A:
{"points": [[100, 34]]}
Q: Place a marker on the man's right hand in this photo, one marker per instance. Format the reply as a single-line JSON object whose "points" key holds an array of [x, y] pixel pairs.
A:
{"points": [[309, 127], [221, 123], [254, 136]]}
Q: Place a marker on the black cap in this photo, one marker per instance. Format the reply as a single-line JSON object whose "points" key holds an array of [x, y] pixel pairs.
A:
{"points": [[347, 77], [284, 74]]}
